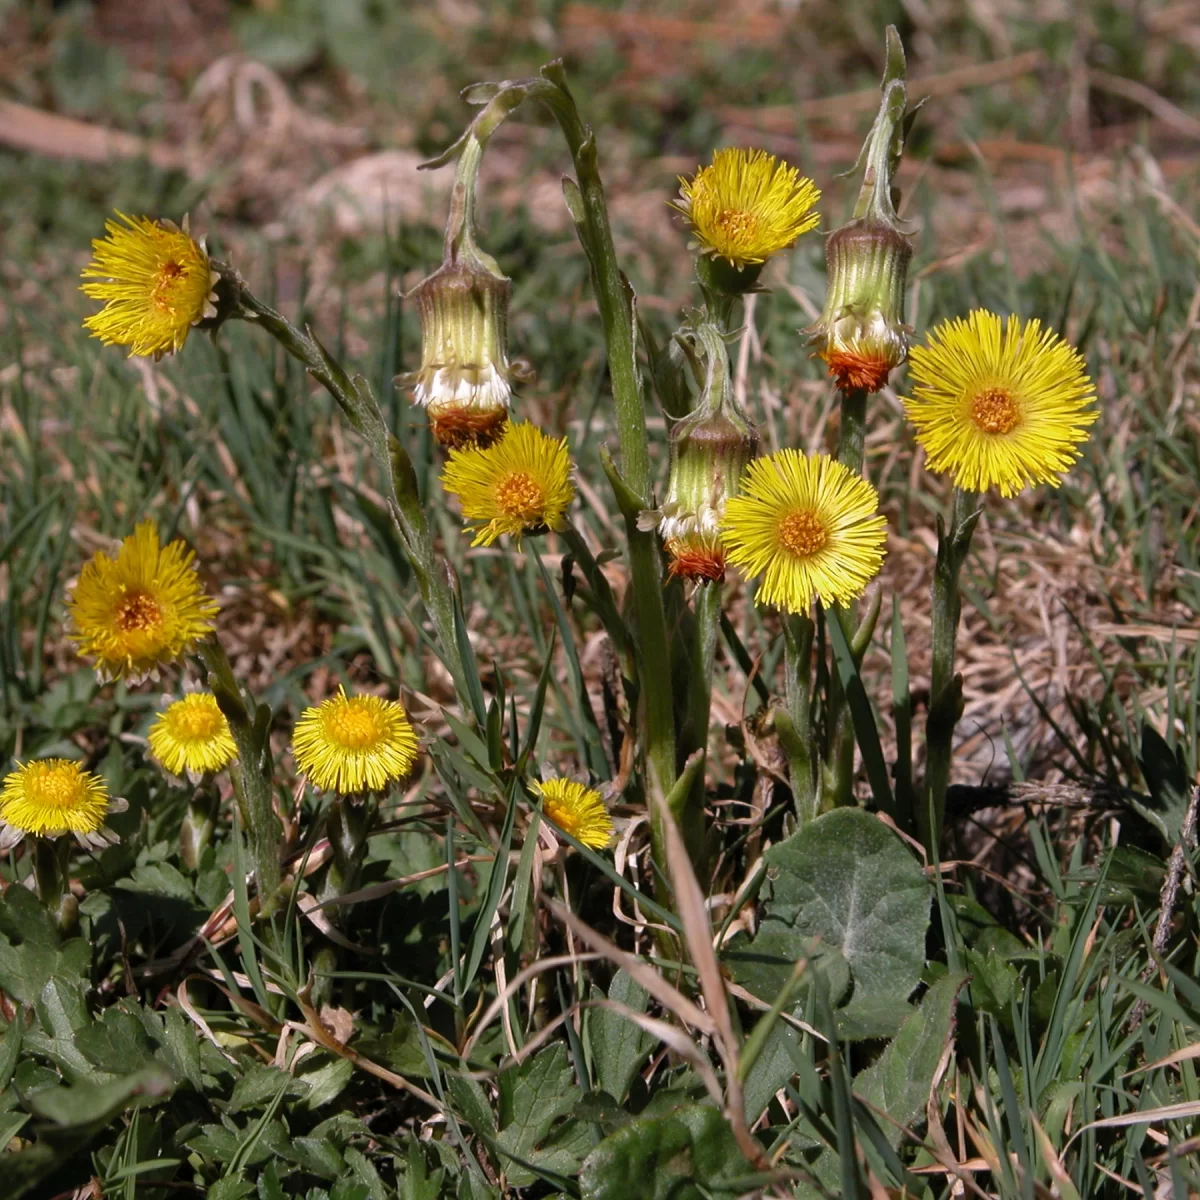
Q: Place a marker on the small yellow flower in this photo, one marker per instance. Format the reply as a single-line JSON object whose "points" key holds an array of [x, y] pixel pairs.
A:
{"points": [[156, 281], [520, 484], [809, 526], [192, 736], [141, 610], [576, 809], [53, 796], [352, 744], [747, 205], [1003, 406]]}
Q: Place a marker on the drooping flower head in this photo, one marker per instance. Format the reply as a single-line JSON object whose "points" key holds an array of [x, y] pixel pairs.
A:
{"points": [[141, 610], [192, 736], [520, 485], [808, 526], [576, 809], [156, 281], [747, 206], [710, 448], [464, 382], [999, 404], [350, 744], [53, 796]]}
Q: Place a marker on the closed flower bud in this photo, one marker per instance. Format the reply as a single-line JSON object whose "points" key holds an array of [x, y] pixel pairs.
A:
{"points": [[465, 378], [710, 449], [861, 334]]}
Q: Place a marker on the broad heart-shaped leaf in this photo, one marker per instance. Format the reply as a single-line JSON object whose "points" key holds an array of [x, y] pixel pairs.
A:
{"points": [[690, 1154], [534, 1097], [1167, 779], [619, 1047], [849, 881], [900, 1080], [31, 949]]}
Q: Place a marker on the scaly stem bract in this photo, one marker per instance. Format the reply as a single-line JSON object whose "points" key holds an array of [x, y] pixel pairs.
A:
{"points": [[945, 691]]}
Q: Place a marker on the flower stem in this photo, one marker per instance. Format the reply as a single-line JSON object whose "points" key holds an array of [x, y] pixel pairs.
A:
{"points": [[689, 816], [50, 858], [253, 777], [399, 479], [198, 823], [945, 692], [796, 730]]}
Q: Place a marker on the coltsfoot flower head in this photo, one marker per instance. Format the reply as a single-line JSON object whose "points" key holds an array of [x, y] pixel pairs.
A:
{"points": [[861, 334], [156, 281], [464, 382], [808, 526], [192, 736], [710, 448], [999, 404], [576, 809], [747, 206], [53, 796], [520, 485], [351, 744], [141, 610]]}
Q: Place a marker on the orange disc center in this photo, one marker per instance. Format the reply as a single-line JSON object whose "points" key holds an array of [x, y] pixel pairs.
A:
{"points": [[995, 411]]}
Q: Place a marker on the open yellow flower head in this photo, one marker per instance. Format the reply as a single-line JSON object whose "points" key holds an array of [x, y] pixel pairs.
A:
{"points": [[352, 744], [141, 610], [156, 282], [747, 205], [52, 796], [1002, 405], [192, 736], [809, 526], [520, 484], [576, 809]]}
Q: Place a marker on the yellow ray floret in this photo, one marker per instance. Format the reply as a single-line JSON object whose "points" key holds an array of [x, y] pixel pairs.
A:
{"points": [[354, 744], [520, 484], [192, 736], [808, 526], [747, 205], [576, 809], [50, 797], [999, 405], [156, 281], [141, 610]]}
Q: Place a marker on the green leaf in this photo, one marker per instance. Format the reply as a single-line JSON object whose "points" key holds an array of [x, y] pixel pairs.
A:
{"points": [[117, 1042], [848, 880], [619, 1047], [691, 1154], [764, 964], [772, 1069], [31, 949], [900, 1081], [1167, 777], [96, 1103], [534, 1098]]}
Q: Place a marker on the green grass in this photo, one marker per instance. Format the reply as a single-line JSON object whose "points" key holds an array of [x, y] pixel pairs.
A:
{"points": [[139, 1053]]}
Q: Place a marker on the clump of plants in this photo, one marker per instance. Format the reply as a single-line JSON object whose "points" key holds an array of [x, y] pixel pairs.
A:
{"points": [[516, 944]]}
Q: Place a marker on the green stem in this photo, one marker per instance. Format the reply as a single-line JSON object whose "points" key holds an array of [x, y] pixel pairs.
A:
{"points": [[405, 507], [796, 731], [347, 827], [199, 823], [839, 765], [249, 723], [705, 626], [945, 691], [50, 873]]}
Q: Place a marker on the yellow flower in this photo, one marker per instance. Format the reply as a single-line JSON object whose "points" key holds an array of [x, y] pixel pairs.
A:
{"points": [[53, 796], [141, 610], [999, 406], [520, 484], [747, 205], [576, 809], [809, 526], [192, 736], [354, 743], [156, 282]]}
